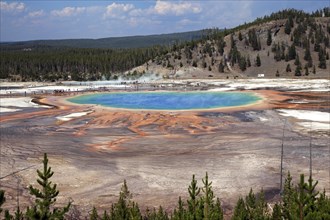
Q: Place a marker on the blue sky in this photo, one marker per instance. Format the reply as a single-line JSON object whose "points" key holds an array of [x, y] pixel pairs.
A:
{"points": [[63, 19]]}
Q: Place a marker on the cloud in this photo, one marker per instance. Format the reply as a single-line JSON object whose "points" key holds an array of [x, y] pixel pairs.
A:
{"points": [[35, 14], [180, 8], [185, 22], [12, 7], [227, 13], [68, 11], [136, 22], [160, 8], [118, 11]]}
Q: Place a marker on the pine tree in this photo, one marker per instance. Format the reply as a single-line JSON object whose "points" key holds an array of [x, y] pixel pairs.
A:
{"points": [[121, 208], [298, 70], [301, 198], [317, 47], [312, 194], [242, 63], [288, 68], [240, 211], [2, 199], [193, 202], [256, 206], [310, 62], [323, 206], [277, 212], [204, 64], [303, 202], [288, 198], [217, 212], [314, 70], [18, 215], [221, 46], [221, 67], [292, 52], [254, 40], [258, 61], [307, 55], [162, 215], [277, 74], [134, 212], [106, 216], [277, 51], [159, 215], [290, 20], [208, 197], [322, 59], [269, 37], [94, 215], [46, 197], [251, 204], [287, 27], [8, 216], [306, 71], [297, 61], [179, 213], [261, 209], [240, 38], [232, 41]]}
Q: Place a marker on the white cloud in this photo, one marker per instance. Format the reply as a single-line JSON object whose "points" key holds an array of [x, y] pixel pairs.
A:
{"points": [[118, 11], [138, 12], [135, 22], [68, 11], [12, 7], [226, 13], [35, 14], [185, 22], [160, 8], [180, 8]]}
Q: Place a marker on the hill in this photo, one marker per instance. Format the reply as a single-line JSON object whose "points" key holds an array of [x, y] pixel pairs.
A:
{"points": [[289, 43], [107, 43]]}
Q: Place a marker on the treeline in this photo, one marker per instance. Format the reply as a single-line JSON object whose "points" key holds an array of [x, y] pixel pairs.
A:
{"points": [[108, 43], [285, 14], [301, 201], [74, 64]]}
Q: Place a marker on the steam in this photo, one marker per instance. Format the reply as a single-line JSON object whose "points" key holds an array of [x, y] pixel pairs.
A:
{"points": [[149, 77]]}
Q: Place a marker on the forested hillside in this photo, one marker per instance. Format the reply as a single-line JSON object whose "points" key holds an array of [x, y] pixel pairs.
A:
{"points": [[73, 64], [289, 43]]}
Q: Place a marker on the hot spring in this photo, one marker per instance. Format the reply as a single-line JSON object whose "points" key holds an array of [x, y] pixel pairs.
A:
{"points": [[168, 100]]}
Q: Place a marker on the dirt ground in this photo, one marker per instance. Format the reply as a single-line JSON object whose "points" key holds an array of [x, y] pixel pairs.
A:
{"points": [[158, 152]]}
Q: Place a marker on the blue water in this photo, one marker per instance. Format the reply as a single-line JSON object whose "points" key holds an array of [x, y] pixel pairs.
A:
{"points": [[168, 100]]}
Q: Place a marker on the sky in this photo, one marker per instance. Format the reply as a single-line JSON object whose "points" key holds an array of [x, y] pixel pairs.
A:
{"points": [[65, 19]]}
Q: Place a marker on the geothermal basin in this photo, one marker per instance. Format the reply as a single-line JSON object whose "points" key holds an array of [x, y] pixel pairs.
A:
{"points": [[92, 147]]}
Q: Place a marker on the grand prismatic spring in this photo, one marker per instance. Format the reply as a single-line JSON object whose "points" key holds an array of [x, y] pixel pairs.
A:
{"points": [[168, 100]]}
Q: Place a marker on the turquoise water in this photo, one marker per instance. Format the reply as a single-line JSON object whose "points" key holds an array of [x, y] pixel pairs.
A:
{"points": [[168, 100]]}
